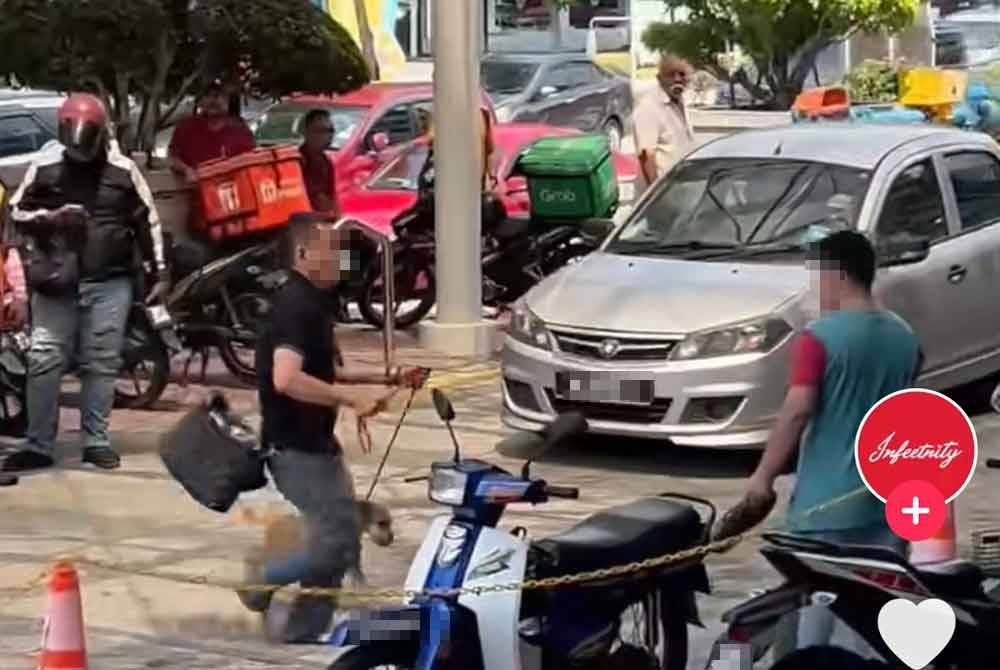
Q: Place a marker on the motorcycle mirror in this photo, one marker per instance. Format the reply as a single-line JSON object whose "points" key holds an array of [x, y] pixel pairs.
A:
{"points": [[443, 406], [570, 424]]}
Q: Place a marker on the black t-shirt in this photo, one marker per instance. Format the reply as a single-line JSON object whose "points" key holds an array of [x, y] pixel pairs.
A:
{"points": [[300, 320]]}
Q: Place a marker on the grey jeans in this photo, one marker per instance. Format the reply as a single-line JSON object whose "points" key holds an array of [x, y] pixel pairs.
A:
{"points": [[816, 624], [319, 485], [92, 325]]}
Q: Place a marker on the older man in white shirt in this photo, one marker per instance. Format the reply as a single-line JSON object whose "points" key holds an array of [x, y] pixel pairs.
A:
{"points": [[662, 128]]}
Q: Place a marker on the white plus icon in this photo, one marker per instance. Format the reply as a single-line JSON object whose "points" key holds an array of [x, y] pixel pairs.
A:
{"points": [[916, 510]]}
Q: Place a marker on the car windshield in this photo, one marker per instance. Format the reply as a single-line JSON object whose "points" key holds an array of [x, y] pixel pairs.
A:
{"points": [[283, 124], [745, 204], [402, 172], [502, 77]]}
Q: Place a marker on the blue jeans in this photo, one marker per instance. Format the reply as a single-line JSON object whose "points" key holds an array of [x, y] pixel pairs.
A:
{"points": [[92, 325]]}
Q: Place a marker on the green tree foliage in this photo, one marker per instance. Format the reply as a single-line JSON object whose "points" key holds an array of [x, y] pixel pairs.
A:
{"points": [[873, 81], [781, 37], [156, 53]]}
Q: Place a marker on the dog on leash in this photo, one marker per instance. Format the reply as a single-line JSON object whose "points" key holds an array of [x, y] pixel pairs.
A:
{"points": [[284, 532]]}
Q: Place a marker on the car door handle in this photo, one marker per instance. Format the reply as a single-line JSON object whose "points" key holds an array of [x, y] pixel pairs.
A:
{"points": [[956, 273]]}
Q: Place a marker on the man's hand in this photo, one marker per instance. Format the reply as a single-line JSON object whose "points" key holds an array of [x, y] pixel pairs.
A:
{"points": [[16, 312], [369, 403], [413, 378]]}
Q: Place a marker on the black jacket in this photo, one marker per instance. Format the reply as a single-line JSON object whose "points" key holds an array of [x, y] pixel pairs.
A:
{"points": [[121, 213]]}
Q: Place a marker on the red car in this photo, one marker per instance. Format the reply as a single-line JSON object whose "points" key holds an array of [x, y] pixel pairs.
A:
{"points": [[371, 125], [393, 189]]}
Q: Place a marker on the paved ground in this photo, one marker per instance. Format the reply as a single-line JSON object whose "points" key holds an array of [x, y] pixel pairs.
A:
{"points": [[139, 518]]}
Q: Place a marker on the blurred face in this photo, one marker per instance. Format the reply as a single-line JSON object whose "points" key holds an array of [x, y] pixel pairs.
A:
{"points": [[325, 256], [674, 80], [319, 133], [828, 282], [214, 103]]}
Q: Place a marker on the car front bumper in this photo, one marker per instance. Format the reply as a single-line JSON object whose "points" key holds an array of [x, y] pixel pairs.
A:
{"points": [[724, 402]]}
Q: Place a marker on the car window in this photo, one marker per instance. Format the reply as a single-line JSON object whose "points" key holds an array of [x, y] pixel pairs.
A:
{"points": [[975, 176], [728, 201], [913, 207], [557, 77], [22, 135], [282, 124], [581, 74], [499, 77], [396, 123], [402, 172]]}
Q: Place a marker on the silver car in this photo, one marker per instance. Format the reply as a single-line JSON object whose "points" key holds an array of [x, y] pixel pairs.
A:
{"points": [[679, 326]]}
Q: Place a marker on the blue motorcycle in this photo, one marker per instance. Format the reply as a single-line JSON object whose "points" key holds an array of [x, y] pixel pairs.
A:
{"points": [[472, 613]]}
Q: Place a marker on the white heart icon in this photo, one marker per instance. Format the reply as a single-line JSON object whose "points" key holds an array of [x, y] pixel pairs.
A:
{"points": [[916, 634]]}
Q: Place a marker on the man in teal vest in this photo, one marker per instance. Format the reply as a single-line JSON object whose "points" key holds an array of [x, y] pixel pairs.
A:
{"points": [[854, 355]]}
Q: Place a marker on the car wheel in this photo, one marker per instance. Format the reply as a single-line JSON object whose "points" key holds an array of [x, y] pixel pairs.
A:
{"points": [[613, 130]]}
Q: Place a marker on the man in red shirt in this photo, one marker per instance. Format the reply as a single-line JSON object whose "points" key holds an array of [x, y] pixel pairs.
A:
{"points": [[209, 134]]}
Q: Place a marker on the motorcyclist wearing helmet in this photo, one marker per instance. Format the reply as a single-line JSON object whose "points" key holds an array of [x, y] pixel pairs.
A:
{"points": [[84, 214]]}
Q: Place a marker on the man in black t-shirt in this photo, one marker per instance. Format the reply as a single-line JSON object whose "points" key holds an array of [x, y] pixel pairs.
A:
{"points": [[300, 391]]}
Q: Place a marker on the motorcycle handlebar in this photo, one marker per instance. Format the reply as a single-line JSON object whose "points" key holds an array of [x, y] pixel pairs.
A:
{"points": [[570, 492]]}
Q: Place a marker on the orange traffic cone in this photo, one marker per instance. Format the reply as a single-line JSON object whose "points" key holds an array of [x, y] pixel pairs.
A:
{"points": [[941, 548], [63, 645]]}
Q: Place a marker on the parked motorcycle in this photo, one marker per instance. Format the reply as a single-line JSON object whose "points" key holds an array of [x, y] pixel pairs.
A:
{"points": [[220, 305], [516, 255], [855, 582], [634, 621], [144, 374]]}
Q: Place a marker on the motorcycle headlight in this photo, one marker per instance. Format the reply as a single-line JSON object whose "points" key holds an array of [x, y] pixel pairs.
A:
{"points": [[743, 338], [504, 114], [447, 486], [527, 328]]}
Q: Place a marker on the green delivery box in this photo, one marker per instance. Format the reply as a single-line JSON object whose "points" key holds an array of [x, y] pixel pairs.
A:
{"points": [[570, 177]]}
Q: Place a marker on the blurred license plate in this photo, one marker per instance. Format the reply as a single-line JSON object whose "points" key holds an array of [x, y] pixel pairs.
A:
{"points": [[601, 387]]}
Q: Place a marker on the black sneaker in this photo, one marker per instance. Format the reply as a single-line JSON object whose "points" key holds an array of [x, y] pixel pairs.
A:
{"points": [[26, 459], [102, 457], [8, 480]]}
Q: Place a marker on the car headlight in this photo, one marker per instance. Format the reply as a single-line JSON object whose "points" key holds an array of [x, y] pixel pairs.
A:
{"points": [[743, 338], [447, 486], [527, 328], [504, 114]]}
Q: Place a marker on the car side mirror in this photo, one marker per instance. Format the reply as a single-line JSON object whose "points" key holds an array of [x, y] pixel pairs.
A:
{"points": [[903, 252], [597, 229], [379, 141], [547, 92]]}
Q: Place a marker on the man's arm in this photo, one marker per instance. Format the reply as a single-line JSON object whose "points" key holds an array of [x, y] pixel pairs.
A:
{"points": [[146, 219], [176, 151], [291, 380], [29, 203], [646, 130], [14, 273], [798, 409]]}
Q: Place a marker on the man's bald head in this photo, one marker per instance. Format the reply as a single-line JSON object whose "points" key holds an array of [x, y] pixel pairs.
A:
{"points": [[674, 73]]}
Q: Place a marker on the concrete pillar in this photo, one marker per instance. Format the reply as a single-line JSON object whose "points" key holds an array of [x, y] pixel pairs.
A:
{"points": [[459, 327]]}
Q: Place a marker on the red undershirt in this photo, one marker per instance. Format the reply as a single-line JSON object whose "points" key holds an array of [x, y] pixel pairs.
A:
{"points": [[808, 361]]}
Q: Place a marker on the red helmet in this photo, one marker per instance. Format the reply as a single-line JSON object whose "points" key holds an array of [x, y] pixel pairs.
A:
{"points": [[83, 126]]}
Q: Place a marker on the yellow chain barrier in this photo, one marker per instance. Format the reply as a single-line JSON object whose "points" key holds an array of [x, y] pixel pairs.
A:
{"points": [[347, 596]]}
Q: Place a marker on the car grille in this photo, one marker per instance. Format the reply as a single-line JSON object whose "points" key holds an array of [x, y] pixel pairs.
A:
{"points": [[599, 411], [611, 348]]}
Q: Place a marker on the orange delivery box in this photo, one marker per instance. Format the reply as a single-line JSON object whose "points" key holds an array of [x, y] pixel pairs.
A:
{"points": [[250, 193]]}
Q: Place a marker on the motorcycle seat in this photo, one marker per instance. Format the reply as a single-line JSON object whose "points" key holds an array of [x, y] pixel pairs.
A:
{"points": [[953, 578], [509, 229], [635, 531]]}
